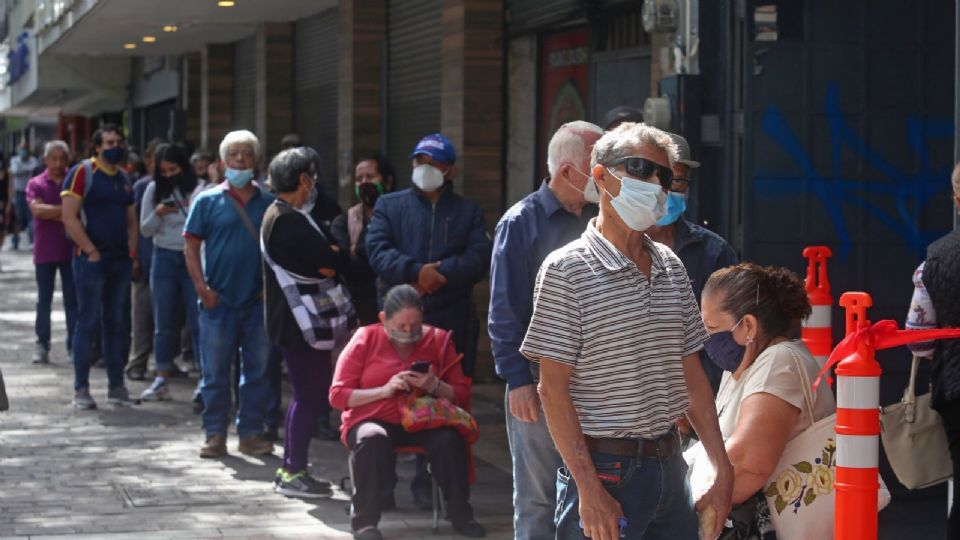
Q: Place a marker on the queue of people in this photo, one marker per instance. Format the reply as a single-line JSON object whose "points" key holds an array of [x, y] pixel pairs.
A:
{"points": [[619, 326]]}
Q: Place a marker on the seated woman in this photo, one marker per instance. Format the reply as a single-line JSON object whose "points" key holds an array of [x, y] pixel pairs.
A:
{"points": [[374, 372], [750, 311]]}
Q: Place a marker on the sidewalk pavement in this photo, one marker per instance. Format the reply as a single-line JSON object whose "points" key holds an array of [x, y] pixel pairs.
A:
{"points": [[134, 472]]}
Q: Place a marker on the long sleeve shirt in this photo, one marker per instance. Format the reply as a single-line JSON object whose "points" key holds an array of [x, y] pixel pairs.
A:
{"points": [[166, 231], [369, 361], [525, 235], [921, 316]]}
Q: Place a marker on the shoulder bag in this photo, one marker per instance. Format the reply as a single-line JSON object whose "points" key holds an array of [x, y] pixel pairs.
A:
{"points": [[913, 437]]}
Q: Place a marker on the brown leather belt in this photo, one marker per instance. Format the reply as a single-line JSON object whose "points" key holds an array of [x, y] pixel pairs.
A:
{"points": [[663, 447]]}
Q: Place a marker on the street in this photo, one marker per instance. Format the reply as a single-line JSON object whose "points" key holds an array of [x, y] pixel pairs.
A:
{"points": [[134, 472]]}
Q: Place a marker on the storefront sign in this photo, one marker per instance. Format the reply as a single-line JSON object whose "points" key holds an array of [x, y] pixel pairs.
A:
{"points": [[563, 85]]}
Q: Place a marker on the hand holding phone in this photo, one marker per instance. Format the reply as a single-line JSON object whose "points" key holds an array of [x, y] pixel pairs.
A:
{"points": [[421, 366]]}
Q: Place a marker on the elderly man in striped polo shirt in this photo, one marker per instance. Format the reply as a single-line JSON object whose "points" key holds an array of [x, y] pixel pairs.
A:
{"points": [[617, 331]]}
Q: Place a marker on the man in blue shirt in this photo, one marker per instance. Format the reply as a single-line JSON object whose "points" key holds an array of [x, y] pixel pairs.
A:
{"points": [[98, 214], [701, 250], [547, 219], [225, 222]]}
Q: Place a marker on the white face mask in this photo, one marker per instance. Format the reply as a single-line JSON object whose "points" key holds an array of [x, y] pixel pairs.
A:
{"points": [[590, 193], [427, 177], [640, 204]]}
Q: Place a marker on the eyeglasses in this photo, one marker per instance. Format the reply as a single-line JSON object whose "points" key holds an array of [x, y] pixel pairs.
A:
{"points": [[643, 169]]}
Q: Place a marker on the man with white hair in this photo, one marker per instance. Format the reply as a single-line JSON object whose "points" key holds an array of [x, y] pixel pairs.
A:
{"points": [[225, 222], [52, 250], [547, 219], [616, 330]]}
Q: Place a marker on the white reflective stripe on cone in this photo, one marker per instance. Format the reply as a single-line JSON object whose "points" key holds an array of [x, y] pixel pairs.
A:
{"points": [[858, 392], [858, 451], [819, 318]]}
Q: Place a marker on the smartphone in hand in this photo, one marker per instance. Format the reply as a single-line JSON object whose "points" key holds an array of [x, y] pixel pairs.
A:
{"points": [[421, 366]]}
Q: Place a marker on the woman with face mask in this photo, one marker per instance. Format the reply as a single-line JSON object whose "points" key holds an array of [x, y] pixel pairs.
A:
{"points": [[302, 253], [374, 176], [166, 202], [382, 364], [752, 313]]}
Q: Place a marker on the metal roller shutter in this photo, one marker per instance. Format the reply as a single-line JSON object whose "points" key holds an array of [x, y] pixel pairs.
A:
{"points": [[526, 15], [244, 84], [315, 90], [413, 102]]}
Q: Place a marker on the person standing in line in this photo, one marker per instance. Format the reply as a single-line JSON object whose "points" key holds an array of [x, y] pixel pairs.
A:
{"points": [[436, 240], [224, 222], [98, 214], [616, 330], [165, 204], [373, 177], [52, 250], [6, 203], [936, 304], [22, 166], [701, 250], [142, 313], [547, 219], [303, 254]]}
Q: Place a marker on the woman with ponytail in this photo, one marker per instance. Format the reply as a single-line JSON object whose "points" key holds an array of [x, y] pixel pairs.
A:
{"points": [[753, 314]]}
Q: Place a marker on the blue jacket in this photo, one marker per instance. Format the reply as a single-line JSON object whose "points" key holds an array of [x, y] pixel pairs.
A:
{"points": [[406, 232]]}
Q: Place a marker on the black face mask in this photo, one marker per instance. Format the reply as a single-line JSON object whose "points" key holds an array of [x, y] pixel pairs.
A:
{"points": [[205, 177], [368, 193], [174, 180]]}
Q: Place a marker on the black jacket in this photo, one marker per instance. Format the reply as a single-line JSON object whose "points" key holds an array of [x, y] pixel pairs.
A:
{"points": [[941, 277], [296, 246]]}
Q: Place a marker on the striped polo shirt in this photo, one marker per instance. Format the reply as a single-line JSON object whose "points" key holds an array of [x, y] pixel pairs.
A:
{"points": [[623, 334]]}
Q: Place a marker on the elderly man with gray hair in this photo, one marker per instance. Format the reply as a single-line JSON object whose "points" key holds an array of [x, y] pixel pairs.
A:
{"points": [[616, 331], [547, 219], [52, 250], [224, 221]]}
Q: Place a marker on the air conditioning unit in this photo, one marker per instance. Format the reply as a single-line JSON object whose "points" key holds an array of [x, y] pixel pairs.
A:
{"points": [[660, 15]]}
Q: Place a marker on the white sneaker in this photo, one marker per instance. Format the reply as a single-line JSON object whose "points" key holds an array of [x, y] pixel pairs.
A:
{"points": [[158, 391]]}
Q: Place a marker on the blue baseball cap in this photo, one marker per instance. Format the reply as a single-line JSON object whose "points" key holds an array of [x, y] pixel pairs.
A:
{"points": [[438, 147]]}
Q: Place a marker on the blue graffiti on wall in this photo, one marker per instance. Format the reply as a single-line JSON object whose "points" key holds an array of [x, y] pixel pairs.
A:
{"points": [[834, 191]]}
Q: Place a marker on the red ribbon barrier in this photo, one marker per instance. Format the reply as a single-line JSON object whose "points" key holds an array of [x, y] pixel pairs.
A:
{"points": [[882, 335]]}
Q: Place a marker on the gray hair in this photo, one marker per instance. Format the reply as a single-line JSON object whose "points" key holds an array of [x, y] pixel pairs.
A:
{"points": [[624, 139], [56, 145], [567, 146], [399, 298], [955, 178], [200, 155], [286, 168], [239, 137]]}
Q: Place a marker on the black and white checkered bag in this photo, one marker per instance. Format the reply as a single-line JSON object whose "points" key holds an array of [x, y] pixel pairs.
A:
{"points": [[321, 306]]}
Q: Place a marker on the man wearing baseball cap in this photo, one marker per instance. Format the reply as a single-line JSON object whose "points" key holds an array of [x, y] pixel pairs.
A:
{"points": [[701, 250], [436, 240]]}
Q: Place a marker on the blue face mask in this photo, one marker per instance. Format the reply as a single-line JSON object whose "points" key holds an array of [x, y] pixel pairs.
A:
{"points": [[724, 351], [676, 205], [24, 153], [239, 177], [113, 155]]}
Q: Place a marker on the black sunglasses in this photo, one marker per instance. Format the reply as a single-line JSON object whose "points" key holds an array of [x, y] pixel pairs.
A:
{"points": [[643, 168]]}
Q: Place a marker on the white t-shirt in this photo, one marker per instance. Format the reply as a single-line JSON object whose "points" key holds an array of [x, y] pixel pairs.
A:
{"points": [[775, 372]]}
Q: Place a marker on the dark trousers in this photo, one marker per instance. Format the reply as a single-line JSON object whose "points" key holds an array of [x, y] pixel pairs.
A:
{"points": [[309, 372], [46, 284], [950, 414], [275, 374], [102, 290], [372, 463]]}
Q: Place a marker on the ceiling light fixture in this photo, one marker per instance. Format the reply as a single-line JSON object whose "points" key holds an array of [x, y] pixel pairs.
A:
{"points": [[129, 46], [226, 3], [149, 39], [170, 28]]}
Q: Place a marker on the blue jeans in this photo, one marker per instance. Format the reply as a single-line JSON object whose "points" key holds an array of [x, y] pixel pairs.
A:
{"points": [[103, 290], [654, 495], [169, 281], [46, 283], [24, 217], [535, 465], [222, 331]]}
